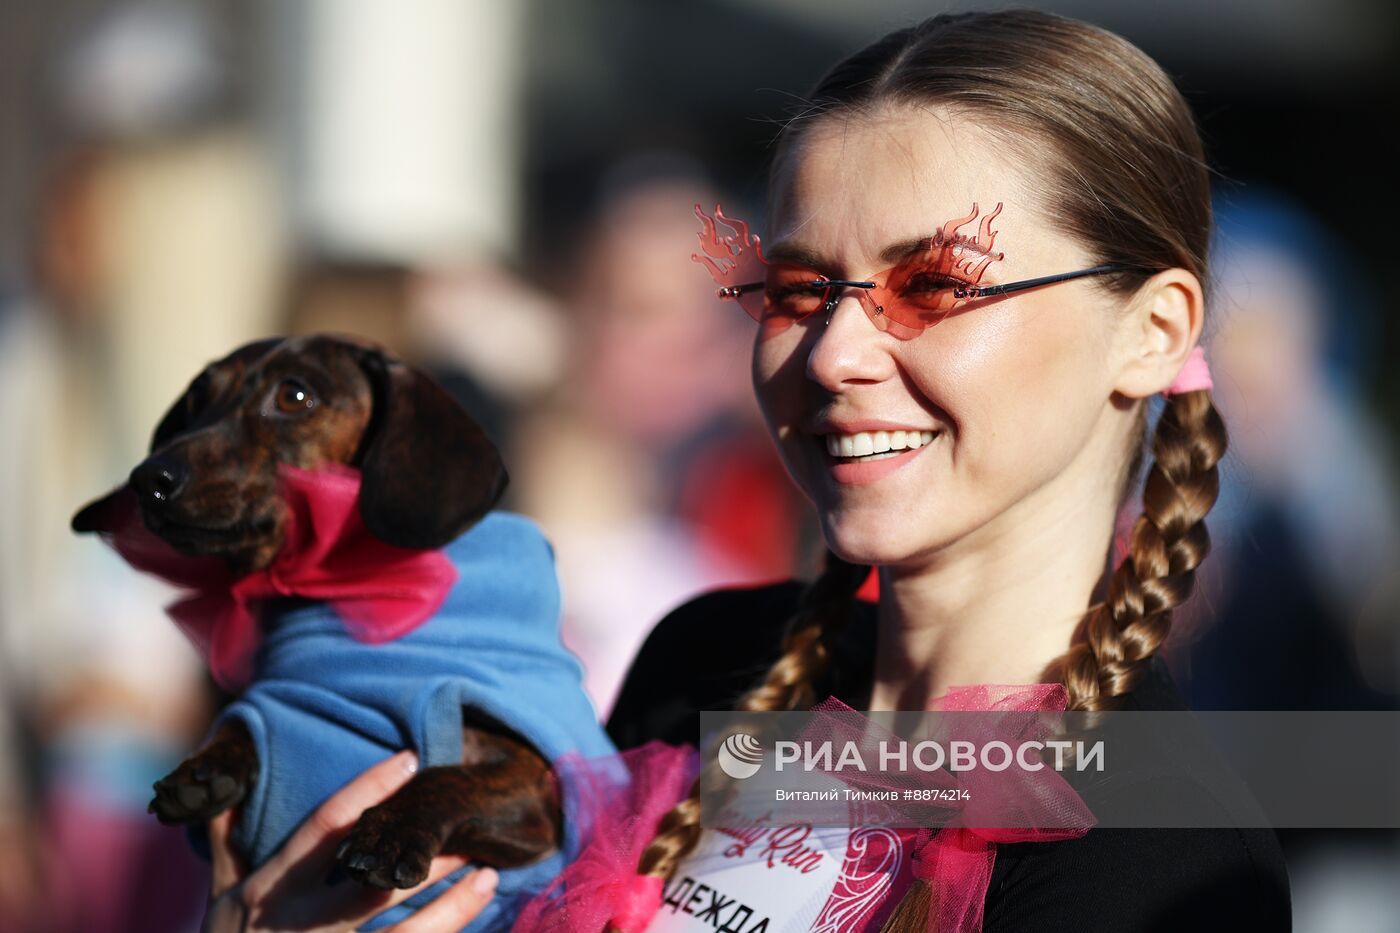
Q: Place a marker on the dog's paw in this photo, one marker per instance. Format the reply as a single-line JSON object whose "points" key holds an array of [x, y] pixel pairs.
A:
{"points": [[202, 787], [386, 851]]}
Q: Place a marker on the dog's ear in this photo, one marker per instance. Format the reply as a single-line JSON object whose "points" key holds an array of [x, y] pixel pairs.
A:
{"points": [[92, 517], [197, 394], [429, 472]]}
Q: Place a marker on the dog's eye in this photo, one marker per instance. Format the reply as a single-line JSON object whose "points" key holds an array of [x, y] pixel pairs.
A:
{"points": [[294, 398]]}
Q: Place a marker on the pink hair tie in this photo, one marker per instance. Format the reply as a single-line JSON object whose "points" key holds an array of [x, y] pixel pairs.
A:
{"points": [[1194, 376], [639, 904]]}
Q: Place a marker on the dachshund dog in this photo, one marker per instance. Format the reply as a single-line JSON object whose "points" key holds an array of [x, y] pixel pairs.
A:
{"points": [[210, 488]]}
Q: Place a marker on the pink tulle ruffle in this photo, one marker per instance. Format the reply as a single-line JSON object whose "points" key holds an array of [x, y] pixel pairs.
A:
{"points": [[618, 800], [956, 860]]}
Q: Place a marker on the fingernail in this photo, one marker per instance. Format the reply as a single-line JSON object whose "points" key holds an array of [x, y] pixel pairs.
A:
{"points": [[484, 881], [409, 760]]}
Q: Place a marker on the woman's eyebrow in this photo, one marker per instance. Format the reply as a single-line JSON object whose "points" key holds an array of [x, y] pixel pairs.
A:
{"points": [[896, 252], [903, 250], [799, 255]]}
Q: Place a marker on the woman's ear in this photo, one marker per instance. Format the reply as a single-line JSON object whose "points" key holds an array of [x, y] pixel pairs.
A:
{"points": [[1162, 325], [428, 470]]}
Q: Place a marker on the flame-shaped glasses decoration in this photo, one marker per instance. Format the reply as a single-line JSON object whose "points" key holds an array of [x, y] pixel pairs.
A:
{"points": [[903, 300], [733, 259], [952, 252]]}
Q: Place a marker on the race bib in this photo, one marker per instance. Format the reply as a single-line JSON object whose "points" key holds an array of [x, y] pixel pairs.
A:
{"points": [[791, 877]]}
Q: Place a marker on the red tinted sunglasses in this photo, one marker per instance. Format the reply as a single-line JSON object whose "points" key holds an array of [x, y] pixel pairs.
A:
{"points": [[902, 300]]}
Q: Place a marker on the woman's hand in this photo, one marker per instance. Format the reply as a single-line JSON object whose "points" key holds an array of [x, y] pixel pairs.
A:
{"points": [[292, 891]]}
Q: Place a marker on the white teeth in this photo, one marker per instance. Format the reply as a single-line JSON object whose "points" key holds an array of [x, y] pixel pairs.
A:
{"points": [[878, 444]]}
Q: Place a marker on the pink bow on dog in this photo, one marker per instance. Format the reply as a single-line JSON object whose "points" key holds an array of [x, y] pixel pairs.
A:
{"points": [[380, 591]]}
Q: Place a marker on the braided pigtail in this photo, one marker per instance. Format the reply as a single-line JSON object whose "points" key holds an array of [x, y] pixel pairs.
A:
{"points": [[1117, 639], [823, 613], [825, 609]]}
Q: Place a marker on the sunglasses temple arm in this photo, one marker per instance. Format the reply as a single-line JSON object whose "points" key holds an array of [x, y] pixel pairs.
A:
{"points": [[735, 291], [992, 290]]}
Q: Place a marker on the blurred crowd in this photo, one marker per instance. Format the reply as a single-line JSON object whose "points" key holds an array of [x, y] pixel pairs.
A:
{"points": [[156, 240], [621, 400]]}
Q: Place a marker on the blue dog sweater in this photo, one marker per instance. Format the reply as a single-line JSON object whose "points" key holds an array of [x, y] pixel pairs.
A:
{"points": [[323, 707]]}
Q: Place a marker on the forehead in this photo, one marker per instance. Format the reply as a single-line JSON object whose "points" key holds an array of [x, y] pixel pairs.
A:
{"points": [[276, 357], [856, 182]]}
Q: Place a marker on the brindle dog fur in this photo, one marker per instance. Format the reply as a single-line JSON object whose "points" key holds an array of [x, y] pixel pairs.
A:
{"points": [[209, 487]]}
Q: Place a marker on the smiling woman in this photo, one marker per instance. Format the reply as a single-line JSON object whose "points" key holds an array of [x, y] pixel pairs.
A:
{"points": [[988, 251], [979, 380]]}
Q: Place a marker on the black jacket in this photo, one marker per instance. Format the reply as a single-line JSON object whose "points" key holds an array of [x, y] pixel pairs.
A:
{"points": [[709, 651]]}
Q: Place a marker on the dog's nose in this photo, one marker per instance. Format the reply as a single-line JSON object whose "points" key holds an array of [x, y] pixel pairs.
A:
{"points": [[157, 480]]}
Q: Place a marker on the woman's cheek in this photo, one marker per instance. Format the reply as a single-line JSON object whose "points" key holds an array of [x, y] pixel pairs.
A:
{"points": [[1029, 422], [778, 371]]}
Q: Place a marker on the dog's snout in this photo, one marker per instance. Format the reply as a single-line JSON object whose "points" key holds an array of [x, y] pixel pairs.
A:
{"points": [[158, 480]]}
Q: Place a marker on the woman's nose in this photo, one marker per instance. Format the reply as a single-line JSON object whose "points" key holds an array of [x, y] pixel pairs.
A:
{"points": [[849, 350]]}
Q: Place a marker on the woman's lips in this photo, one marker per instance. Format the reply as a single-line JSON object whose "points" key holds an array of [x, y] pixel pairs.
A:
{"points": [[860, 472]]}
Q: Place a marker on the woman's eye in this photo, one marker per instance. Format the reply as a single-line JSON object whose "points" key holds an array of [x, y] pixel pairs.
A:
{"points": [[796, 298], [293, 398], [805, 290], [925, 283]]}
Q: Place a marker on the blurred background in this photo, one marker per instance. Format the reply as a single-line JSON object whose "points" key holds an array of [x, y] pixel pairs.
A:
{"points": [[500, 190]]}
